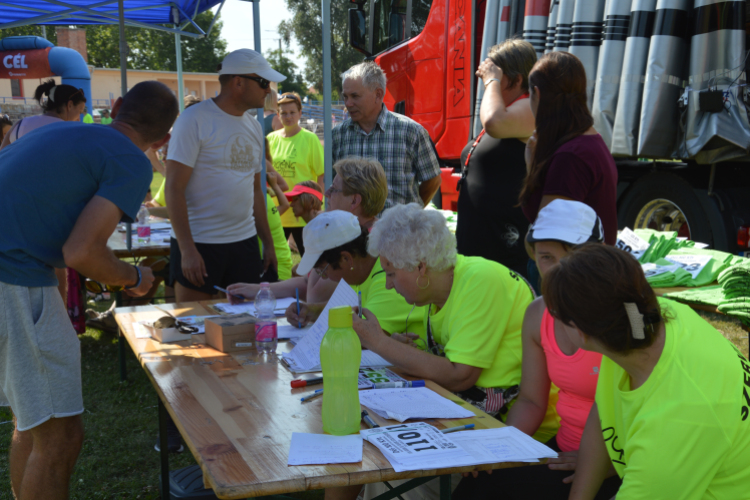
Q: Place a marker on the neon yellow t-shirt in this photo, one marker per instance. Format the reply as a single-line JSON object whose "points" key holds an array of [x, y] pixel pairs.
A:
{"points": [[283, 253], [480, 325], [160, 196], [106, 121], [388, 306], [87, 118], [685, 433], [296, 159]]}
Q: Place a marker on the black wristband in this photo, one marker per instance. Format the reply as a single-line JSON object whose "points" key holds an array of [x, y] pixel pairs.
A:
{"points": [[137, 283]]}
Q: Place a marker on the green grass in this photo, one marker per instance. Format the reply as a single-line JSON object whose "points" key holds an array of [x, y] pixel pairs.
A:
{"points": [[118, 458]]}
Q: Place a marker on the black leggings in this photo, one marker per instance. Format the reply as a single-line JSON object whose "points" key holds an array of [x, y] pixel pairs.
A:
{"points": [[522, 483], [297, 233]]}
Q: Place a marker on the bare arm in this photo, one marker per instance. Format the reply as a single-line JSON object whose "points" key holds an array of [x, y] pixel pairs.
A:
{"points": [[261, 225], [157, 211], [286, 288], [428, 188], [499, 121], [594, 465], [178, 176], [528, 412], [156, 164], [86, 248], [318, 289], [278, 193], [6, 139], [453, 376]]}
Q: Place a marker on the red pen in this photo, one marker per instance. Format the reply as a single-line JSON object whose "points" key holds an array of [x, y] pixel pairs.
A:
{"points": [[296, 384]]}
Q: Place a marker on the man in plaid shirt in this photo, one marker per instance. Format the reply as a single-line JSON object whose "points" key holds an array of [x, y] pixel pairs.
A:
{"points": [[401, 145]]}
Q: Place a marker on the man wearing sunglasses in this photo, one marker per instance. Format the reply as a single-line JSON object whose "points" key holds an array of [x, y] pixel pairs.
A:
{"points": [[213, 189]]}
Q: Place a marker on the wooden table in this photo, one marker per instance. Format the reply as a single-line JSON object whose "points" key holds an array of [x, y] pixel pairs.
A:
{"points": [[237, 413]]}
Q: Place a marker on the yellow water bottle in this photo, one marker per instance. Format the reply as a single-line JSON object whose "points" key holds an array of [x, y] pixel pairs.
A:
{"points": [[340, 355]]}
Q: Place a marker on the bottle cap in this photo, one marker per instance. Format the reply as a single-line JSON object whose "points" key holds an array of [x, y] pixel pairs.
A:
{"points": [[339, 317], [265, 284], [417, 383]]}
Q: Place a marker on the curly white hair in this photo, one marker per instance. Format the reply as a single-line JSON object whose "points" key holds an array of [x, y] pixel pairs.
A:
{"points": [[408, 234]]}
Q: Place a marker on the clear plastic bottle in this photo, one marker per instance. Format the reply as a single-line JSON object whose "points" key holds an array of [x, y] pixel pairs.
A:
{"points": [[266, 335], [143, 227], [340, 355]]}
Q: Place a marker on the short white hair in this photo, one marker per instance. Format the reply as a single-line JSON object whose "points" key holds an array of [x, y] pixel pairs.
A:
{"points": [[407, 235], [371, 74]]}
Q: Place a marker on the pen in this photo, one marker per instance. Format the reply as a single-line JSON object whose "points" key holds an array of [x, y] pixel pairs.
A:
{"points": [[310, 396], [459, 428], [360, 303], [368, 420], [395, 385], [303, 383], [241, 297], [299, 323]]}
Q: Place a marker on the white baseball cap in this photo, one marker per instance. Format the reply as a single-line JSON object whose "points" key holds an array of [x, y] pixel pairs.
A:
{"points": [[245, 61], [326, 231], [566, 221]]}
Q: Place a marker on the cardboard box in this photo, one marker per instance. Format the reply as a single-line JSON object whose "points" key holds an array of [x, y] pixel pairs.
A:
{"points": [[234, 332]]}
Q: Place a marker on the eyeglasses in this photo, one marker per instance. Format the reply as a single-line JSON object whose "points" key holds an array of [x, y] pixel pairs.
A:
{"points": [[322, 273], [262, 82], [288, 96]]}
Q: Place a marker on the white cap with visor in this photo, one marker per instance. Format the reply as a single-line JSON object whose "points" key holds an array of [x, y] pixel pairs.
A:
{"points": [[327, 231]]}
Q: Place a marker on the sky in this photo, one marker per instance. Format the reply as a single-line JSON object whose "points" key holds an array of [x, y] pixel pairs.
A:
{"points": [[238, 26]]}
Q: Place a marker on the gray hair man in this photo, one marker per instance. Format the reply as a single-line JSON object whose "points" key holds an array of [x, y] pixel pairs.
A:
{"points": [[401, 145]]}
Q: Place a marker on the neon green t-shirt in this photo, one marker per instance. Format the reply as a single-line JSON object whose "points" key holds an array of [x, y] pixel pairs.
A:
{"points": [[296, 159], [106, 121], [388, 306], [87, 118], [480, 325], [160, 197], [685, 433], [283, 253]]}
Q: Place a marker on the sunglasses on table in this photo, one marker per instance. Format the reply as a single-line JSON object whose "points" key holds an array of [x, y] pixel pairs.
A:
{"points": [[264, 84]]}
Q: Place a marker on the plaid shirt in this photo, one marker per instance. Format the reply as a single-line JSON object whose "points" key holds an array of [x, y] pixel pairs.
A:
{"points": [[400, 144]]}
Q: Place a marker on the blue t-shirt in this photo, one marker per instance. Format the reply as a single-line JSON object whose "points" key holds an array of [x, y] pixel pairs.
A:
{"points": [[46, 179]]}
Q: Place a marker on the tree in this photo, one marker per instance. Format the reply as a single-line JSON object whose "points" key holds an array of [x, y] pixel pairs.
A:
{"points": [[32, 30], [294, 81], [155, 50], [306, 25]]}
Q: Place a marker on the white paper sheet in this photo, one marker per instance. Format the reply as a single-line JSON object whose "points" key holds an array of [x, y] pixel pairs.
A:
{"points": [[318, 449], [287, 331], [418, 402], [249, 307], [306, 354], [506, 444], [693, 264]]}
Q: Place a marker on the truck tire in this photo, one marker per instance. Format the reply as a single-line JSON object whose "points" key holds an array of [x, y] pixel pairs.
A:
{"points": [[665, 202]]}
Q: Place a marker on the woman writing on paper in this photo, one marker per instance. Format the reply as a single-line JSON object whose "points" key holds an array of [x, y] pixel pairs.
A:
{"points": [[473, 320], [549, 358], [671, 410], [337, 250]]}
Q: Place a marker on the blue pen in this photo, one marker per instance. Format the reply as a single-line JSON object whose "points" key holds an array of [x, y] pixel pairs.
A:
{"points": [[459, 428], [397, 385], [299, 323], [232, 294], [310, 396]]}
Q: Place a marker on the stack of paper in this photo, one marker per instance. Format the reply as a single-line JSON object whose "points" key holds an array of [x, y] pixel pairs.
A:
{"points": [[305, 357], [420, 446], [419, 402], [317, 449]]}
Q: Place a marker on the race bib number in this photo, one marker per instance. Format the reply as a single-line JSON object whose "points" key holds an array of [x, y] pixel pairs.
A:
{"points": [[630, 242], [693, 264]]}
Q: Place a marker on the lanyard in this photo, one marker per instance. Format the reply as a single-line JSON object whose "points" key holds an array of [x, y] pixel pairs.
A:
{"points": [[432, 346]]}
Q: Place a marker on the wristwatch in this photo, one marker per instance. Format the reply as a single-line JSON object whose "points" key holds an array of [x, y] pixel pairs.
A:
{"points": [[490, 81], [137, 283]]}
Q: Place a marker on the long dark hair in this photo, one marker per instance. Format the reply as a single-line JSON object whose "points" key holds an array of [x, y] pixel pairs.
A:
{"points": [[562, 114], [57, 95]]}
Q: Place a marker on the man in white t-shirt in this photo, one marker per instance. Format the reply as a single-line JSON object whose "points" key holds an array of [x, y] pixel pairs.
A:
{"points": [[213, 189]]}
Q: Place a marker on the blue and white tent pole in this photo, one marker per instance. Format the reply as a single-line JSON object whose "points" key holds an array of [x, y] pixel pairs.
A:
{"points": [[552, 26], [564, 25], [586, 39], [259, 111], [327, 88], [609, 69], [627, 116], [503, 22], [717, 60], [489, 35], [123, 91], [666, 76]]}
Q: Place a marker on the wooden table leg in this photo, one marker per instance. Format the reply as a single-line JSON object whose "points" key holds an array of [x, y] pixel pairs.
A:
{"points": [[163, 451]]}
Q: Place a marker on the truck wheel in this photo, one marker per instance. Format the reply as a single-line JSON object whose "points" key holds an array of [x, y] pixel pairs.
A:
{"points": [[664, 202]]}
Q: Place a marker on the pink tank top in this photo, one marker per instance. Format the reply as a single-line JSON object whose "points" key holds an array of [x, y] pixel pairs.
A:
{"points": [[576, 376]]}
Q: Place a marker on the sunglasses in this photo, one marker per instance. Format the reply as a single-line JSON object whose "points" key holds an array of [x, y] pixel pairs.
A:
{"points": [[288, 96], [262, 82]]}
